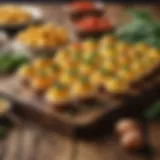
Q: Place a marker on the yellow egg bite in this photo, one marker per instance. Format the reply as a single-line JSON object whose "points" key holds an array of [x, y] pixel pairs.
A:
{"points": [[69, 76], [126, 74], [116, 85], [82, 88], [42, 80], [58, 94], [41, 63], [154, 55], [89, 45], [107, 41], [141, 47], [26, 71], [99, 77], [122, 47]]}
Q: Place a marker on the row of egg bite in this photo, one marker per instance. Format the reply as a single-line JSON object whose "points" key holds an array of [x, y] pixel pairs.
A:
{"points": [[80, 69]]}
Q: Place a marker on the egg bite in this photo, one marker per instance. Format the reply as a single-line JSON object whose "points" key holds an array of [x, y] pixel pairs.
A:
{"points": [[99, 77], [154, 55], [141, 47], [58, 95], [122, 47], [89, 45], [88, 66], [75, 48], [42, 62], [41, 81], [107, 41], [62, 56], [137, 69], [82, 90], [126, 74], [116, 86], [26, 72], [69, 76], [111, 65]]}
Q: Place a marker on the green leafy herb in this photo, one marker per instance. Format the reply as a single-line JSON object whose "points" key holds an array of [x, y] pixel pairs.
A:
{"points": [[153, 111], [105, 71], [3, 131], [142, 28], [42, 73], [84, 80], [55, 67], [73, 72], [10, 62], [60, 86]]}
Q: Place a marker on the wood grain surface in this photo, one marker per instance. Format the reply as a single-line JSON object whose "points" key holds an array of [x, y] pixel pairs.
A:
{"points": [[30, 142]]}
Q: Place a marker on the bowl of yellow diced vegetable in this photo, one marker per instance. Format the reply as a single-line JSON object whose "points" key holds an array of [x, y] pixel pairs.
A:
{"points": [[16, 17], [41, 39]]}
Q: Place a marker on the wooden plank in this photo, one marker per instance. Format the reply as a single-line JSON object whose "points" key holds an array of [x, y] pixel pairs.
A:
{"points": [[28, 142], [54, 147], [12, 146], [107, 148], [153, 135], [34, 143]]}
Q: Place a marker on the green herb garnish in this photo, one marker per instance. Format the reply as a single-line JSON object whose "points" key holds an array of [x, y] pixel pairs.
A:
{"points": [[42, 73], [153, 112], [105, 71], [60, 86], [73, 72], [84, 80], [10, 62], [55, 67], [142, 28]]}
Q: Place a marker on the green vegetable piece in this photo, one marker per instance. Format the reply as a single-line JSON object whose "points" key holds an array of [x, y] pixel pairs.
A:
{"points": [[73, 72], [105, 72], [55, 67], [153, 112], [42, 73], [3, 131], [84, 80], [60, 86]]}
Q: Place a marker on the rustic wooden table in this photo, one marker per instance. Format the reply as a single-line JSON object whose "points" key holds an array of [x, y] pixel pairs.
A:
{"points": [[31, 142]]}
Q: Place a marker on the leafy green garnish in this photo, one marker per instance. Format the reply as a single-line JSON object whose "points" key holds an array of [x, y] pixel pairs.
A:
{"points": [[105, 71], [73, 72], [10, 62], [153, 111], [60, 86], [55, 67], [142, 28], [42, 73], [84, 79]]}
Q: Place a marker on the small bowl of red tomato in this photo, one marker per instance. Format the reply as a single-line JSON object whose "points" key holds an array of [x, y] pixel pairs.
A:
{"points": [[79, 9], [93, 27]]}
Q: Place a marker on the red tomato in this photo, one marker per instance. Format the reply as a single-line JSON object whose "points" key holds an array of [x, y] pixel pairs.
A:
{"points": [[93, 24], [104, 25], [82, 6]]}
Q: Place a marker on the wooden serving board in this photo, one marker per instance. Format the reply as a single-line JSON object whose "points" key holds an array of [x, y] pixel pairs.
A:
{"points": [[86, 119]]}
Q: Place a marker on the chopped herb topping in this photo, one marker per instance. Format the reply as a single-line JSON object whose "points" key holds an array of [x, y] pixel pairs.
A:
{"points": [[126, 67], [42, 73], [60, 86], [55, 67], [73, 72], [105, 71], [84, 80]]}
